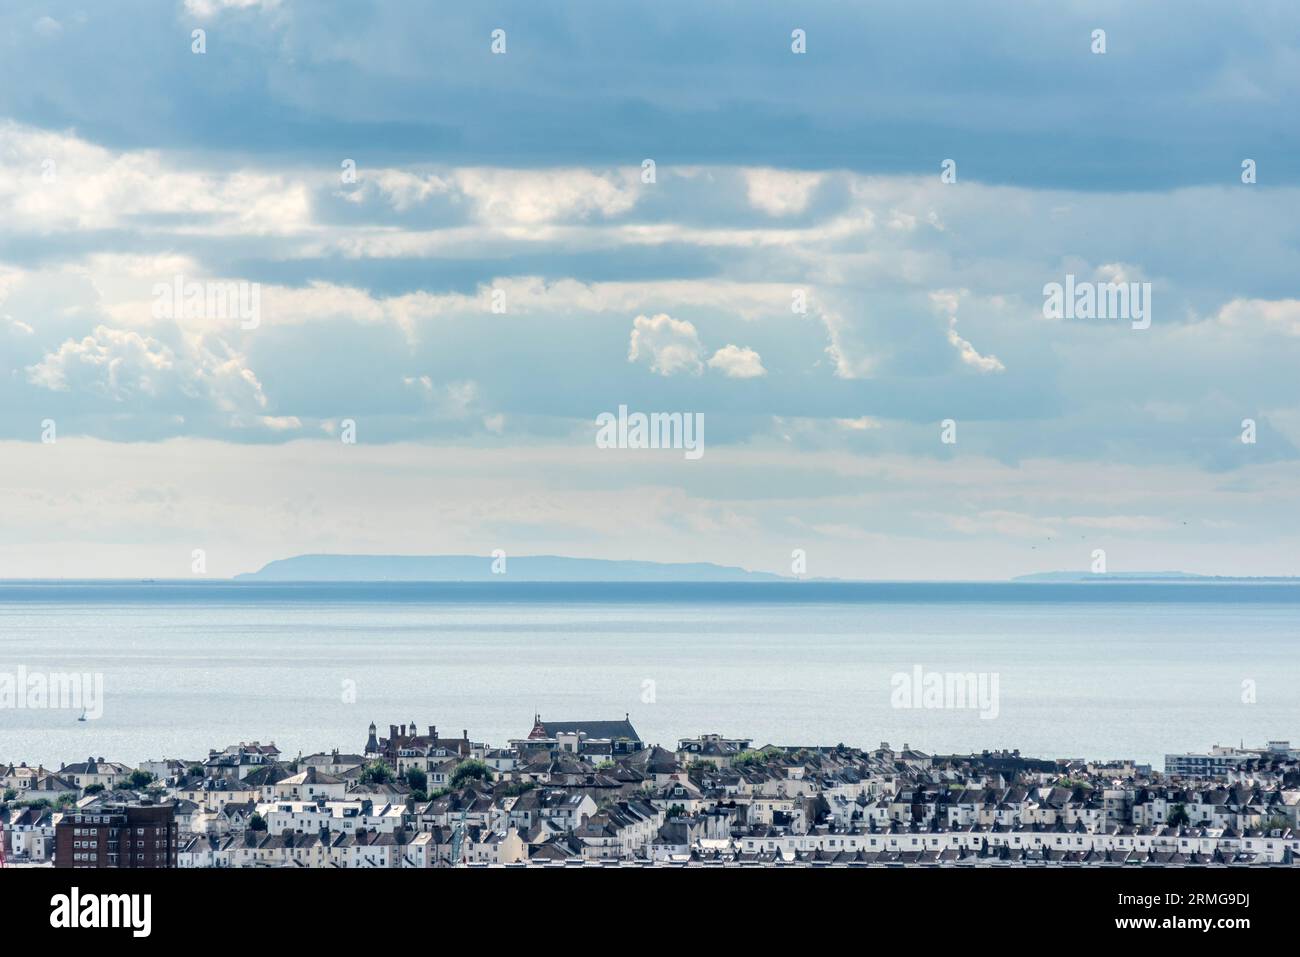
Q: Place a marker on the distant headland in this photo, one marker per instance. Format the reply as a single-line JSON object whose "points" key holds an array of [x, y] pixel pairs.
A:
{"points": [[472, 568]]}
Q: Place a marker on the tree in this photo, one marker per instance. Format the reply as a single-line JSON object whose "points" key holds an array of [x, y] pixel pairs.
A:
{"points": [[1177, 816], [257, 822], [417, 779], [10, 794], [470, 771], [93, 788], [195, 770], [139, 780], [376, 772]]}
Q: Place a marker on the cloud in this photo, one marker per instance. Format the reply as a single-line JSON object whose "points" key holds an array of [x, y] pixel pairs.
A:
{"points": [[948, 302], [669, 345], [861, 424], [210, 8], [400, 280], [402, 189], [736, 362], [459, 399], [849, 358], [530, 197], [780, 192], [126, 367], [1281, 315], [58, 182], [113, 362]]}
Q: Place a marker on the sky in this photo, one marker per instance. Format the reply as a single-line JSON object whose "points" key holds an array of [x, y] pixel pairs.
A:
{"points": [[444, 262]]}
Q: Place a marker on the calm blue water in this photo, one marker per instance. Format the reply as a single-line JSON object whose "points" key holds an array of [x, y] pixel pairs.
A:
{"points": [[1084, 670]]}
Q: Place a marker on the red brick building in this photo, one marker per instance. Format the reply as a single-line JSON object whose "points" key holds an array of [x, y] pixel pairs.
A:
{"points": [[117, 835]]}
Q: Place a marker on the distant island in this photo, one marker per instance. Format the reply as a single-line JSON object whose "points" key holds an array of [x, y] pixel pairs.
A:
{"points": [[477, 568], [1078, 576]]}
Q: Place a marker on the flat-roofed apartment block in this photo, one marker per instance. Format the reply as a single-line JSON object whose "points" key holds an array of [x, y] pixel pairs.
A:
{"points": [[1219, 760], [117, 835]]}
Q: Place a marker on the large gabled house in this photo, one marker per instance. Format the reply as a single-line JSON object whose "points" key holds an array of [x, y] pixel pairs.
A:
{"points": [[598, 740], [239, 760], [95, 771], [37, 784], [711, 748], [333, 762], [311, 785], [27, 833], [564, 809]]}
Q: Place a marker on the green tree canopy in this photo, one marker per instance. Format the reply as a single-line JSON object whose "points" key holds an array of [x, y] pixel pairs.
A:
{"points": [[470, 771], [376, 772], [139, 780]]}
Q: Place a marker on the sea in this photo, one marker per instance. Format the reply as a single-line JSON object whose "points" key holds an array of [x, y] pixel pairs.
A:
{"points": [[1079, 670]]}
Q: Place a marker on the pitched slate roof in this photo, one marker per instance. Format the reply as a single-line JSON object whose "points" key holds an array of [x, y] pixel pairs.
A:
{"points": [[604, 730]]}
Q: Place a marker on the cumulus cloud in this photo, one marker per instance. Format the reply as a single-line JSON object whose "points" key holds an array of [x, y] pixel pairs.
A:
{"points": [[116, 363], [849, 358], [737, 362], [668, 345], [124, 365], [780, 192], [58, 182], [400, 188], [1281, 315], [531, 197]]}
